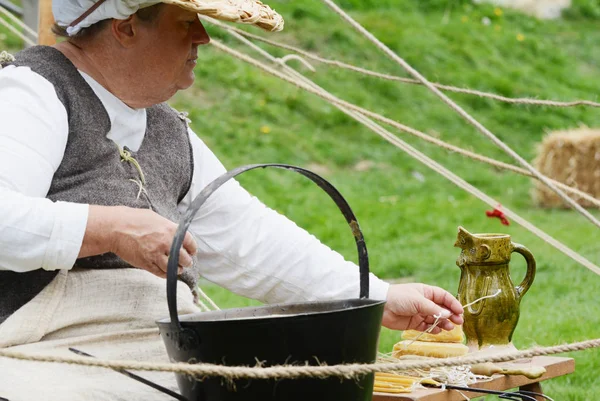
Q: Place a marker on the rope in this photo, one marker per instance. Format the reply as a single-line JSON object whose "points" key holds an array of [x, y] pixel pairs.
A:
{"points": [[347, 371], [126, 157], [6, 57], [417, 133], [16, 32], [17, 21], [340, 64], [207, 299], [202, 305], [466, 116], [141, 188], [430, 139], [347, 107], [438, 317], [480, 158]]}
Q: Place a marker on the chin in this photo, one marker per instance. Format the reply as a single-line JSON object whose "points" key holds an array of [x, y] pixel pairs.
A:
{"points": [[186, 83], [187, 80]]}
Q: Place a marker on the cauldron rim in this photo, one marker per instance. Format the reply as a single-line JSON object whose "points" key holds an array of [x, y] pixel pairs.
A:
{"points": [[276, 311]]}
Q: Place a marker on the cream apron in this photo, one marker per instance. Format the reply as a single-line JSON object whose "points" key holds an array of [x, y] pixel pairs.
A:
{"points": [[110, 314]]}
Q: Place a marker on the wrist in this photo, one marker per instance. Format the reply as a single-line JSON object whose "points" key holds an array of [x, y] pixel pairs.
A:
{"points": [[102, 230]]}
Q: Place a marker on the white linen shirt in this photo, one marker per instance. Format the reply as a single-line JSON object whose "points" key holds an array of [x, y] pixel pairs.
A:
{"points": [[242, 245]]}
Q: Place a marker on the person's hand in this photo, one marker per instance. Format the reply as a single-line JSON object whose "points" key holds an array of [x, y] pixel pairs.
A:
{"points": [[140, 237], [414, 306]]}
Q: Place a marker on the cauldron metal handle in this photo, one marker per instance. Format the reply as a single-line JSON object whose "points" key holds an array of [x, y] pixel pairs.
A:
{"points": [[173, 263]]}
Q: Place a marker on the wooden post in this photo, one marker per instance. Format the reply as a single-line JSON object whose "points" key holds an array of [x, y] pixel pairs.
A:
{"points": [[45, 22]]}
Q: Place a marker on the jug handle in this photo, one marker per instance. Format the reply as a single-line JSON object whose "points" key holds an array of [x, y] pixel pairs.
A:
{"points": [[186, 219], [530, 275]]}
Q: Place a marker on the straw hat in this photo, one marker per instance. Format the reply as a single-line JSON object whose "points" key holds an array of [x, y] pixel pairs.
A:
{"points": [[251, 12], [78, 14]]}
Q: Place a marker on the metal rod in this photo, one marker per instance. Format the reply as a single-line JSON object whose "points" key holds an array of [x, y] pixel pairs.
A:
{"points": [[135, 377], [533, 393], [515, 397]]}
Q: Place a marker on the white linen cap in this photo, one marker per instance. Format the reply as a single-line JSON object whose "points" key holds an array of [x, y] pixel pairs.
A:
{"points": [[68, 13]]}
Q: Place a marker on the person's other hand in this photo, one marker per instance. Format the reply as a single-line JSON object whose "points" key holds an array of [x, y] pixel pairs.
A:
{"points": [[414, 306], [140, 237]]}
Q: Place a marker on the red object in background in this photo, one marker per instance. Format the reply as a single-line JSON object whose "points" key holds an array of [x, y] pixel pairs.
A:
{"points": [[499, 214]]}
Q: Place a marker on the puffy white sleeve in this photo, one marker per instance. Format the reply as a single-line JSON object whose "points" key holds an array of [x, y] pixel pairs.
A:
{"points": [[254, 251], [34, 231]]}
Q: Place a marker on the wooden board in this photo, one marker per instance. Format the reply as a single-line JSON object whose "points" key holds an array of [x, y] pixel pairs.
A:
{"points": [[555, 367]]}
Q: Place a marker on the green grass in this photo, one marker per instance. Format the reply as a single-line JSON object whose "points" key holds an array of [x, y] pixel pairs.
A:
{"points": [[409, 223]]}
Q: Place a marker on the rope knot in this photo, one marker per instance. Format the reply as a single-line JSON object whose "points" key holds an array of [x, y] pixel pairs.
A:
{"points": [[127, 157], [5, 58], [183, 116]]}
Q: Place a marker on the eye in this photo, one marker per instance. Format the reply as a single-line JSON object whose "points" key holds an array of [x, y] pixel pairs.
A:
{"points": [[189, 23]]}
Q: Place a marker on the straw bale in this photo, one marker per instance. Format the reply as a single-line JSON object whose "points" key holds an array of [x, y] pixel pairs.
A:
{"points": [[543, 9], [573, 158]]}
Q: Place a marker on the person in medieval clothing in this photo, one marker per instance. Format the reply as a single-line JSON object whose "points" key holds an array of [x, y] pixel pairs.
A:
{"points": [[95, 172]]}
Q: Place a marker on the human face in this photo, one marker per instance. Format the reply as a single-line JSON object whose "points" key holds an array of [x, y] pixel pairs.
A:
{"points": [[170, 49]]}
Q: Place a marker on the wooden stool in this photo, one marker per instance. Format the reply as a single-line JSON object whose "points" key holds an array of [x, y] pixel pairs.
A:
{"points": [[555, 367]]}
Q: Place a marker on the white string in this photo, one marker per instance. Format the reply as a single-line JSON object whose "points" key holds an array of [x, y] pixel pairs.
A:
{"points": [[482, 298], [438, 317], [429, 330]]}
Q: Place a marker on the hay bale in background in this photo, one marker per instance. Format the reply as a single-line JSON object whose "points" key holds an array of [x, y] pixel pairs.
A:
{"points": [[543, 9], [573, 158]]}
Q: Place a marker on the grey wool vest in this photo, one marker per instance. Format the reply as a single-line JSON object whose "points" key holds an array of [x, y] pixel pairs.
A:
{"points": [[94, 171]]}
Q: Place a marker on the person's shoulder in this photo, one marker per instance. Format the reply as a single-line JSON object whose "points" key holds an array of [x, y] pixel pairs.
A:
{"points": [[12, 77], [17, 72], [22, 88]]}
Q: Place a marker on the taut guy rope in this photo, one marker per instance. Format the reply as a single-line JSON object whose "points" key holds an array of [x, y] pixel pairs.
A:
{"points": [[16, 32], [429, 138], [18, 22], [349, 108], [460, 111], [364, 71]]}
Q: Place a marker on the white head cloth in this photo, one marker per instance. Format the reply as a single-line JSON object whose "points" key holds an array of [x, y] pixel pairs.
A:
{"points": [[67, 11]]}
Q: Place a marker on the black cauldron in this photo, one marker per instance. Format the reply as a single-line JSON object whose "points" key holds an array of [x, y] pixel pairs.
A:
{"points": [[332, 332]]}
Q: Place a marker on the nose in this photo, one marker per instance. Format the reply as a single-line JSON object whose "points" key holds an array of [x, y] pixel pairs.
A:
{"points": [[199, 34]]}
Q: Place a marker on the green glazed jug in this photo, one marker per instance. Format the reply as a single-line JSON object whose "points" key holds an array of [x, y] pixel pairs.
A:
{"points": [[484, 263]]}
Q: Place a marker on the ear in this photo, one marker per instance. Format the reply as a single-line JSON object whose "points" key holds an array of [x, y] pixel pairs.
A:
{"points": [[125, 30]]}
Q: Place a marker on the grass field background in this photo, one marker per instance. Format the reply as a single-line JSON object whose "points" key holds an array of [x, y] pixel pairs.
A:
{"points": [[409, 214]]}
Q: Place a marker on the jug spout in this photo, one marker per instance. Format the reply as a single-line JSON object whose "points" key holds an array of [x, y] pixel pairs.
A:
{"points": [[463, 237], [475, 248]]}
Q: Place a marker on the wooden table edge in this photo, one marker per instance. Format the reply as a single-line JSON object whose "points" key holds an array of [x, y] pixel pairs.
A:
{"points": [[555, 367]]}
